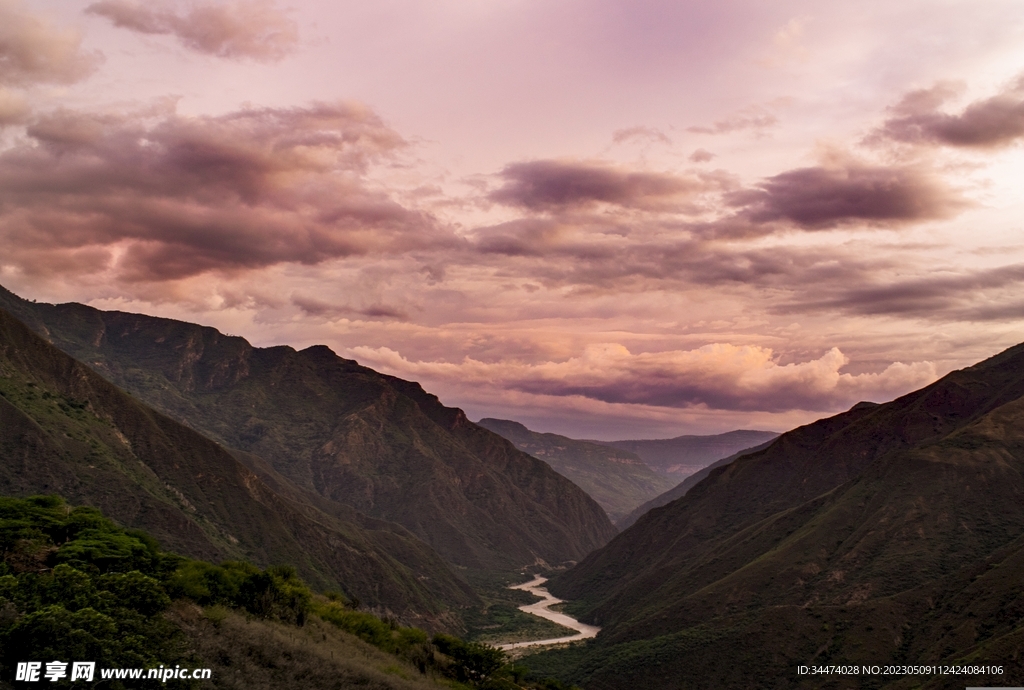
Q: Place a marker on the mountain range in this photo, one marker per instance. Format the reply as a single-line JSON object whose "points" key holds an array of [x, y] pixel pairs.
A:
{"points": [[680, 489], [682, 456], [307, 432], [889, 534], [68, 431], [618, 480]]}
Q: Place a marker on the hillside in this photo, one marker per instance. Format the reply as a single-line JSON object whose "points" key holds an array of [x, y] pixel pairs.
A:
{"points": [[618, 480], [680, 489], [64, 429], [890, 533], [346, 433], [681, 456], [75, 585]]}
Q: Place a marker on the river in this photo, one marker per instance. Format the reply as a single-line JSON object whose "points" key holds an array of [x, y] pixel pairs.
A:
{"points": [[542, 608]]}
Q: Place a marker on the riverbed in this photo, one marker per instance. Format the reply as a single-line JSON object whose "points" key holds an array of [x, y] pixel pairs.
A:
{"points": [[542, 608]]}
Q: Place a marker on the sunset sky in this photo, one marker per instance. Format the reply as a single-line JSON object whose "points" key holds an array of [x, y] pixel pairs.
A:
{"points": [[605, 219]]}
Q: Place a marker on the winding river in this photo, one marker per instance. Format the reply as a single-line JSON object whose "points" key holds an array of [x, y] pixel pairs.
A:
{"points": [[542, 608]]}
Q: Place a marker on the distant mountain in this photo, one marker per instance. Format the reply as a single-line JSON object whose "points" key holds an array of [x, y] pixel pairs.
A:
{"points": [[681, 456], [66, 430], [616, 479], [887, 534], [346, 433], [680, 489]]}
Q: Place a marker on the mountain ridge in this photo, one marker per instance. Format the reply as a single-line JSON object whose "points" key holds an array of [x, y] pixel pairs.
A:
{"points": [[680, 489], [837, 543], [681, 456], [618, 480], [328, 425], [67, 430]]}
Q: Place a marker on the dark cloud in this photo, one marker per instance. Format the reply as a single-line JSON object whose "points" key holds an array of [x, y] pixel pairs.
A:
{"points": [[976, 295], [169, 196], [34, 51], [660, 254], [549, 184], [253, 29], [317, 307], [828, 197], [985, 124]]}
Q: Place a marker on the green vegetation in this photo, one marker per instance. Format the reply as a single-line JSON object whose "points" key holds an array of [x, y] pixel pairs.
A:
{"points": [[75, 586]]}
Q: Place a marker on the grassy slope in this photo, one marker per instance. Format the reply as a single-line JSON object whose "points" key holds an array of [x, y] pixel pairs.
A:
{"points": [[616, 479], [65, 429], [248, 654], [886, 534], [345, 432]]}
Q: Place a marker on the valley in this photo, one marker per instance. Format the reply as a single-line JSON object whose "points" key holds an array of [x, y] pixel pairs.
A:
{"points": [[888, 533], [542, 609]]}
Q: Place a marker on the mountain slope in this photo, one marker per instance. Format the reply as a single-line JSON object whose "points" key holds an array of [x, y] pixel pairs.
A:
{"points": [[331, 427], [64, 429], [857, 539], [680, 489], [616, 479], [681, 456]]}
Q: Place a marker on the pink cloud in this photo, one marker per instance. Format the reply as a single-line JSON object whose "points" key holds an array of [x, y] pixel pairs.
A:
{"points": [[827, 197], [701, 156], [753, 119], [166, 196], [34, 51], [717, 376], [648, 134], [253, 29], [988, 123], [553, 184]]}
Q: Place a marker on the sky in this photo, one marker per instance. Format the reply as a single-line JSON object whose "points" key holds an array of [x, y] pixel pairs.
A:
{"points": [[605, 219]]}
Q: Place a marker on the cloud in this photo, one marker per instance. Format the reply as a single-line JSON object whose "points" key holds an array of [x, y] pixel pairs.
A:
{"points": [[945, 296], [164, 196], [551, 184], [701, 156], [14, 109], [317, 307], [253, 29], [984, 124], [717, 376], [648, 134], [34, 51], [753, 118], [826, 197]]}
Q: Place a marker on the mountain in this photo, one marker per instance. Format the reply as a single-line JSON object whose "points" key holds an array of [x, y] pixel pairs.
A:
{"points": [[681, 456], [66, 430], [680, 489], [890, 533], [350, 435], [616, 479]]}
